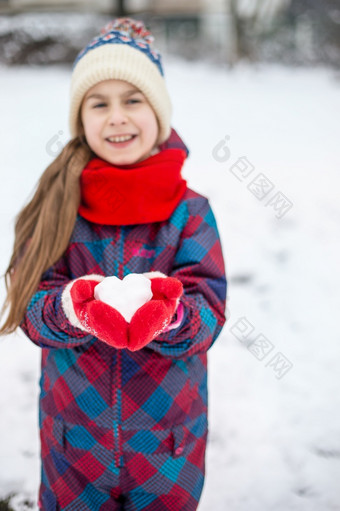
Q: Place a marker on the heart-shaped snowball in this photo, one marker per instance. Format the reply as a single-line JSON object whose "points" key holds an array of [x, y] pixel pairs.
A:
{"points": [[127, 295]]}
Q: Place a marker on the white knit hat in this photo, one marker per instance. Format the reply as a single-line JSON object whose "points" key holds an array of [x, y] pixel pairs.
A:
{"points": [[123, 52]]}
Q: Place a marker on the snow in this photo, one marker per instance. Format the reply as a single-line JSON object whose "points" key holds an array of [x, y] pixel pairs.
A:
{"points": [[126, 295], [274, 418]]}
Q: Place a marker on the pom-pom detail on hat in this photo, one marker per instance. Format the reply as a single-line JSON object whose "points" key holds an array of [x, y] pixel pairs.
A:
{"points": [[125, 31], [133, 28]]}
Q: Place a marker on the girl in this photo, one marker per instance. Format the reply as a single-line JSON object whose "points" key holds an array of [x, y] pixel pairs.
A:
{"points": [[123, 404]]}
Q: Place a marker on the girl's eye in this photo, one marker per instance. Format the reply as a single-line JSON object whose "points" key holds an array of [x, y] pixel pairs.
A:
{"points": [[132, 101], [99, 105]]}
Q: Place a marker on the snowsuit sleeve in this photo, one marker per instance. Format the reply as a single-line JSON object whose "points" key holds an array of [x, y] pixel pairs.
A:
{"points": [[45, 322], [199, 265]]}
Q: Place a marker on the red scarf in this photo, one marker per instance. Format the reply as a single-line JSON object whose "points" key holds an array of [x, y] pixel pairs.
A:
{"points": [[144, 192]]}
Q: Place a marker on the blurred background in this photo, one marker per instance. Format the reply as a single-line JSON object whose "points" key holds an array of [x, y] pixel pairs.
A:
{"points": [[225, 31], [255, 87]]}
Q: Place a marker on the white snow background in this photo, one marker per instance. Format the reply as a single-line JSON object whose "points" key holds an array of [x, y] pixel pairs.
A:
{"points": [[274, 441]]}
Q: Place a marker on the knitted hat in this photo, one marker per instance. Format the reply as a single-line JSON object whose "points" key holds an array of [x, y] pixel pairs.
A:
{"points": [[122, 51]]}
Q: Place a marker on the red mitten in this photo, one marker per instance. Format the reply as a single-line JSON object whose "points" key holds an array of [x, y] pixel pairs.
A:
{"points": [[94, 316], [107, 324], [154, 316]]}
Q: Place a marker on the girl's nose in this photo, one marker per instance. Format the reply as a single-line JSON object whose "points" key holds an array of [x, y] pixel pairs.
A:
{"points": [[117, 115]]}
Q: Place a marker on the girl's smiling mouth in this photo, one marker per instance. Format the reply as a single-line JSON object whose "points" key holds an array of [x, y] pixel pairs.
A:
{"points": [[121, 140]]}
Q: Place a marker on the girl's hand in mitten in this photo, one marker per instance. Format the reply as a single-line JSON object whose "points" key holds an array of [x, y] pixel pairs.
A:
{"points": [[91, 315], [153, 318]]}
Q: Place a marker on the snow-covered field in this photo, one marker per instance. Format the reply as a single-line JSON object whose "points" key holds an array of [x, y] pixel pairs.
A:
{"points": [[274, 440]]}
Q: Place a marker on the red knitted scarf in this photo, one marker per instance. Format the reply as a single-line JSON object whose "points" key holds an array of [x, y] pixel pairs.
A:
{"points": [[147, 191]]}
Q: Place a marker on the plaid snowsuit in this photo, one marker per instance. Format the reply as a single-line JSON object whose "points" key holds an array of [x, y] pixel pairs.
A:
{"points": [[121, 429]]}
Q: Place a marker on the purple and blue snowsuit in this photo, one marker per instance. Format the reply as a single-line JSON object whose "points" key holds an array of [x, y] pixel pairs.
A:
{"points": [[122, 429]]}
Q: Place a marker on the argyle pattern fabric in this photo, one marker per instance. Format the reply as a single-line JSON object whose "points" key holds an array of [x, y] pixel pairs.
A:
{"points": [[121, 429]]}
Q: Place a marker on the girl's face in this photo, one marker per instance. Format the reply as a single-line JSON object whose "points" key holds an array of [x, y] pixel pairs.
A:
{"points": [[119, 124]]}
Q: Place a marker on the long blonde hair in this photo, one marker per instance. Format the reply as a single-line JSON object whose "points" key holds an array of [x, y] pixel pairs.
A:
{"points": [[43, 229]]}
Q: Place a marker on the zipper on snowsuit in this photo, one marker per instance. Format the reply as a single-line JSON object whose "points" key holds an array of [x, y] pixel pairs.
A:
{"points": [[117, 402]]}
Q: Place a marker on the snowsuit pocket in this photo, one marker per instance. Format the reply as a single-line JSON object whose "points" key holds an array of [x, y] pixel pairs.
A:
{"points": [[71, 445], [190, 440], [162, 462], [180, 440]]}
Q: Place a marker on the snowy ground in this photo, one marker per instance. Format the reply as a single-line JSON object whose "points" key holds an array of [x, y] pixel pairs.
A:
{"points": [[274, 373]]}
